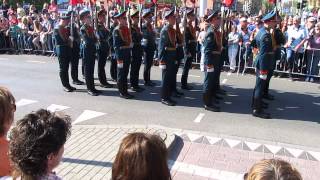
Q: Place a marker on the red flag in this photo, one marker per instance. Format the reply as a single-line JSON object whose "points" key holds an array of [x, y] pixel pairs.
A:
{"points": [[272, 1], [155, 1], [75, 2], [228, 3], [127, 1]]}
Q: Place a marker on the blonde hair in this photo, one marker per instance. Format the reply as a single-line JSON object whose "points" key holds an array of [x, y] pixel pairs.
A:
{"points": [[273, 169]]}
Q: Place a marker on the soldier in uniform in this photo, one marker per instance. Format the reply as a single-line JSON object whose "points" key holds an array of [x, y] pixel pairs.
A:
{"points": [[212, 54], [62, 37], [89, 50], [137, 52], [167, 57], [149, 46], [75, 50], [122, 43], [113, 63], [103, 49], [190, 48], [263, 41]]}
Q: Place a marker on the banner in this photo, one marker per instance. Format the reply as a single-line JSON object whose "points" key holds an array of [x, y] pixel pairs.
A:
{"points": [[62, 6]]}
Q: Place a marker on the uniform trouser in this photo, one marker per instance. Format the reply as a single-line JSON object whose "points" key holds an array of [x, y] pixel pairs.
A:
{"points": [[208, 87], [148, 60], [63, 71], [75, 63], [258, 92], [186, 68], [102, 60], [113, 67], [269, 76], [122, 76], [176, 69], [135, 68], [88, 63], [168, 80]]}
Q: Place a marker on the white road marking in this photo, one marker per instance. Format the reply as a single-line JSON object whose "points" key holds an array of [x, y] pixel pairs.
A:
{"points": [[224, 81], [199, 118], [33, 61], [24, 102], [55, 107], [190, 75], [4, 59], [203, 171], [88, 114], [229, 74]]}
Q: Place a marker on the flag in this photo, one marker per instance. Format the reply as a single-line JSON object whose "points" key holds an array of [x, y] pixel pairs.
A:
{"points": [[272, 1], [155, 1], [75, 2], [228, 3]]}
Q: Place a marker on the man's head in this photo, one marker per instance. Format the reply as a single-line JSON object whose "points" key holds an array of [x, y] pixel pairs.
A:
{"points": [[311, 21], [102, 16], [85, 17], [271, 19], [134, 14], [214, 19], [147, 15], [243, 22], [170, 17], [64, 20], [122, 19], [296, 21], [190, 15]]}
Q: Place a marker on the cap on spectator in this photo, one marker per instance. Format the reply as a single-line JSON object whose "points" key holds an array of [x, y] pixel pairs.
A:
{"points": [[120, 14], [168, 13], [212, 15], [84, 13], [146, 12], [134, 13], [269, 16]]}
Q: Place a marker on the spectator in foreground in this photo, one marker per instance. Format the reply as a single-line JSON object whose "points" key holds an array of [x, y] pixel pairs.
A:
{"points": [[141, 157], [7, 109], [44, 134], [272, 169]]}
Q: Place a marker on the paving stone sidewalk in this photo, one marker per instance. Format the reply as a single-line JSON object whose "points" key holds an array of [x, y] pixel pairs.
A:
{"points": [[91, 150]]}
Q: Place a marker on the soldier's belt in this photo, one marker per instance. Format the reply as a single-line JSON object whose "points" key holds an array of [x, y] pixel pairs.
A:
{"points": [[125, 47], [216, 52], [170, 48]]}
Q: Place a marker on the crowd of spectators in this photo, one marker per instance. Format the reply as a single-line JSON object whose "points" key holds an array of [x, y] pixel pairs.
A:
{"points": [[36, 146]]}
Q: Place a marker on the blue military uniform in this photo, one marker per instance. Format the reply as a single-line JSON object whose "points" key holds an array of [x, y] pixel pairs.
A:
{"points": [[103, 49], [212, 53], [113, 63], [137, 52], [88, 43], [122, 44], [263, 63], [167, 57], [149, 46], [63, 50], [178, 59], [190, 51]]}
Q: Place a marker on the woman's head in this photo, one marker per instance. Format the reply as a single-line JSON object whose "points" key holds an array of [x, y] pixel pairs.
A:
{"points": [[141, 157], [273, 169], [317, 29], [7, 109], [37, 143]]}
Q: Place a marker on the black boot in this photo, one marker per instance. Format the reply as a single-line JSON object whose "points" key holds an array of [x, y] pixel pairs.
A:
{"points": [[258, 111], [207, 100]]}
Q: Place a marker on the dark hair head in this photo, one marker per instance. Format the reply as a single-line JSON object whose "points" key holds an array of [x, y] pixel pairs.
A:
{"points": [[141, 157], [7, 107], [273, 169], [34, 138]]}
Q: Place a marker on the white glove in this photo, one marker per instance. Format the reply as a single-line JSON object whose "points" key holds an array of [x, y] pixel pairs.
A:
{"points": [[162, 66], [264, 77], [120, 64], [71, 38]]}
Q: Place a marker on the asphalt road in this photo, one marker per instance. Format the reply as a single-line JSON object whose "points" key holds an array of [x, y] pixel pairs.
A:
{"points": [[295, 112]]}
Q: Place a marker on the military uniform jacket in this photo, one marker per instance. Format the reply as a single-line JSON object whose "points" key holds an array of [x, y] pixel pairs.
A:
{"points": [[76, 37], [212, 47], [122, 43], [180, 52], [136, 39], [148, 41], [167, 45], [111, 37], [263, 41], [88, 38], [61, 36], [103, 38], [190, 40]]}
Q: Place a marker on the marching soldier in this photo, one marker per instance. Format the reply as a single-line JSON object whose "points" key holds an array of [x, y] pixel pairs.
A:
{"points": [[62, 37], [212, 52], [103, 49], [167, 56], [137, 52], [75, 50], [122, 43], [190, 49], [149, 46], [113, 63], [89, 50], [263, 41]]}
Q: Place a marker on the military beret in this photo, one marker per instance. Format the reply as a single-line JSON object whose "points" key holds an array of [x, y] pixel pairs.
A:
{"points": [[168, 13], [269, 16], [212, 15], [120, 14], [134, 13], [84, 13], [146, 12]]}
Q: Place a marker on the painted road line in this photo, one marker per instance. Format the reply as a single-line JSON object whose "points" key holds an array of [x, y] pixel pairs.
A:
{"points": [[24, 102], [224, 81], [33, 61], [203, 171], [199, 118], [4, 59], [55, 108], [87, 115]]}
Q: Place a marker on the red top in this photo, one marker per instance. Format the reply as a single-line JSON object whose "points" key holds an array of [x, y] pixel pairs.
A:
{"points": [[5, 168]]}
